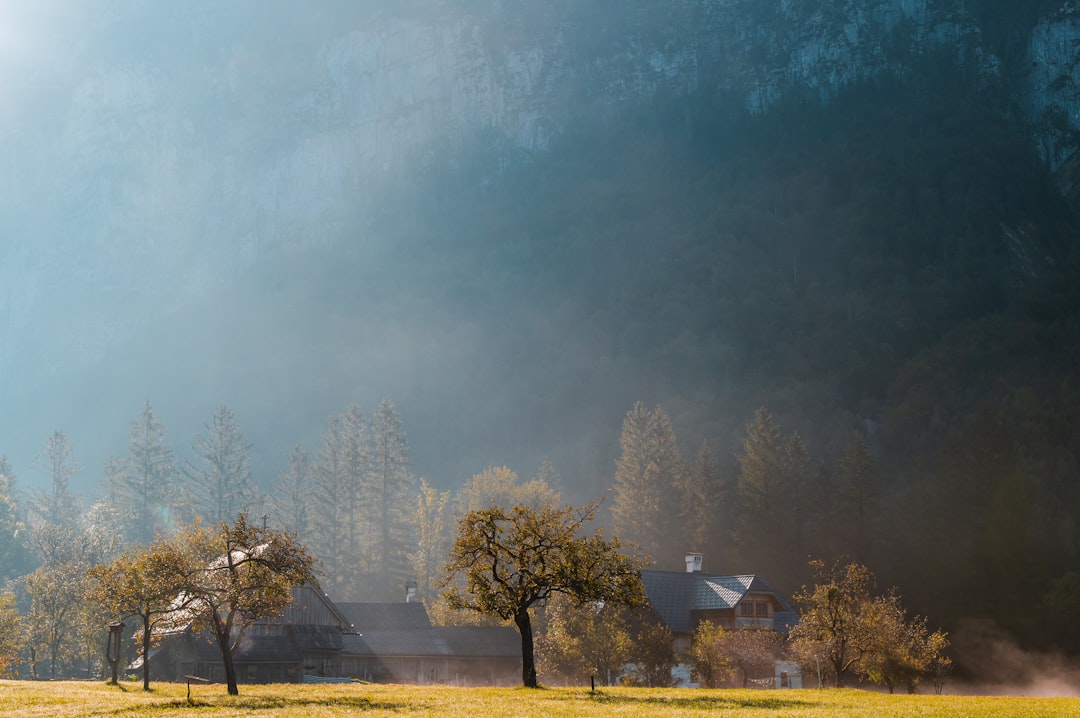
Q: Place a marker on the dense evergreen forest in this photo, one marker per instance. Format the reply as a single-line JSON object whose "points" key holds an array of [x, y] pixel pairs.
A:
{"points": [[897, 264], [856, 326]]}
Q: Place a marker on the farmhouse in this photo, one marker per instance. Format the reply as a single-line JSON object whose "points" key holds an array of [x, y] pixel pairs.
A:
{"points": [[681, 600]]}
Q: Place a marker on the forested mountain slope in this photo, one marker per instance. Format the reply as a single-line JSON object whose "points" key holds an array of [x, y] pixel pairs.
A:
{"points": [[516, 226]]}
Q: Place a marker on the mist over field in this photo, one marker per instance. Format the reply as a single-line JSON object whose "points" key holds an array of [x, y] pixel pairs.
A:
{"points": [[514, 221]]}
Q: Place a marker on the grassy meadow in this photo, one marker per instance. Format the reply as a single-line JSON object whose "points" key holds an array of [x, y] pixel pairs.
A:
{"points": [[71, 699]]}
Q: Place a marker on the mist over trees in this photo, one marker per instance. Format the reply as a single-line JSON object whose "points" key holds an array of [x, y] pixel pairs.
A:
{"points": [[856, 323]]}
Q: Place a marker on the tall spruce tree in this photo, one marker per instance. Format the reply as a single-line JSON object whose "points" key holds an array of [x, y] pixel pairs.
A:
{"points": [[857, 496], [291, 496], [221, 479], [701, 511], [142, 485], [671, 477], [330, 501], [547, 474], [636, 508], [650, 485], [797, 476], [764, 520], [58, 506], [359, 499], [388, 490]]}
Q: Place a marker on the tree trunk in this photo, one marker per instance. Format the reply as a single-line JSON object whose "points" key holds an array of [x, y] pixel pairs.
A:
{"points": [[146, 653], [838, 668], [528, 662], [227, 662], [223, 634]]}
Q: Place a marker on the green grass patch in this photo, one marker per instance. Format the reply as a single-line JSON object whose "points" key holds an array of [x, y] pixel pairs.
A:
{"points": [[71, 699]]}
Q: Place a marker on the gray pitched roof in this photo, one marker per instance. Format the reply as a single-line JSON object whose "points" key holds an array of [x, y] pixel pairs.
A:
{"points": [[450, 641], [375, 617], [674, 595], [482, 641]]}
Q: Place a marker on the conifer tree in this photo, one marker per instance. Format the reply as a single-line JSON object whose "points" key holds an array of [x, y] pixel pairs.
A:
{"points": [[637, 504], [221, 480], [358, 496], [671, 478], [650, 484], [330, 501], [796, 480], [142, 485], [702, 501], [389, 487], [548, 475], [763, 526], [291, 497], [857, 494], [57, 507]]}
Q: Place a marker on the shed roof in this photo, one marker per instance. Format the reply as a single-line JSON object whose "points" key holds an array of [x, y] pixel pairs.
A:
{"points": [[448, 641], [373, 617]]}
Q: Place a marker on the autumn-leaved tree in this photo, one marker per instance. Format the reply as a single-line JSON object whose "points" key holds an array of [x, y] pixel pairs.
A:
{"points": [[654, 657], [845, 627], [12, 635], [235, 575], [905, 650], [584, 640], [432, 523], [753, 651], [709, 654], [14, 556], [498, 486], [505, 561], [60, 624], [144, 582], [834, 626]]}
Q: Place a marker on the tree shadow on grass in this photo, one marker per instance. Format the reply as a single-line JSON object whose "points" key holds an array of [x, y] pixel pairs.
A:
{"points": [[269, 703], [703, 702]]}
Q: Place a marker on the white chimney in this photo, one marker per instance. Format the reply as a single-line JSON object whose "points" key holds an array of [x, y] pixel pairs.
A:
{"points": [[410, 592], [693, 563]]}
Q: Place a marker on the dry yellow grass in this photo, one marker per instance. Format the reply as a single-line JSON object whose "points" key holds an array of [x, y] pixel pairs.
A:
{"points": [[70, 699]]}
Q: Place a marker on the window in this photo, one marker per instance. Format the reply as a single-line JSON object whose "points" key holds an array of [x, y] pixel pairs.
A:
{"points": [[746, 609], [762, 609]]}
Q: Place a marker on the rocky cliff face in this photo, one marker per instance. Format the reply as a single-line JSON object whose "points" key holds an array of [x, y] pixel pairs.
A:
{"points": [[165, 151], [1052, 95]]}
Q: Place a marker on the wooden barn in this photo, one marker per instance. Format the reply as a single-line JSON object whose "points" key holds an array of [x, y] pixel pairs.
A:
{"points": [[315, 639]]}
